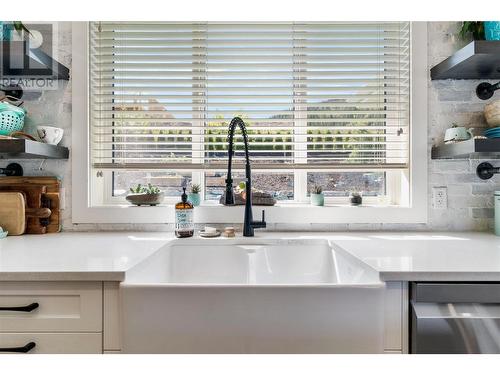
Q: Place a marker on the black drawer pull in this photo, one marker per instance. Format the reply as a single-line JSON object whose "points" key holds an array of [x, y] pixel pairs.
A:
{"points": [[27, 308], [21, 349]]}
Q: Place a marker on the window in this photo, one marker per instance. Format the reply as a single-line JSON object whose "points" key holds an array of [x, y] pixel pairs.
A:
{"points": [[316, 97], [325, 103]]}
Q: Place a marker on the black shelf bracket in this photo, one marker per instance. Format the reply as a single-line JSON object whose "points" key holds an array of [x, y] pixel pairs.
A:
{"points": [[13, 169], [485, 171], [485, 90]]}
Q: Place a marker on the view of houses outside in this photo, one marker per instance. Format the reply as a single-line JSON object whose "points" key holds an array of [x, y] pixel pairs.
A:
{"points": [[267, 145]]}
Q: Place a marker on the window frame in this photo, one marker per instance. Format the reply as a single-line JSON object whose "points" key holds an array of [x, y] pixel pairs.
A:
{"points": [[412, 208]]}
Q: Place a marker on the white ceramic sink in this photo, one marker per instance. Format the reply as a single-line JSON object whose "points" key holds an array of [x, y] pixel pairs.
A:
{"points": [[252, 296]]}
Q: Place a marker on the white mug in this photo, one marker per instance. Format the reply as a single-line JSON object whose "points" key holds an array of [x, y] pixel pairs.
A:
{"points": [[50, 134]]}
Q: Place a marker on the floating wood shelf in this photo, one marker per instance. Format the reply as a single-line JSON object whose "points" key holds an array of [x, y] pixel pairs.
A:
{"points": [[26, 149], [479, 59], [472, 149]]}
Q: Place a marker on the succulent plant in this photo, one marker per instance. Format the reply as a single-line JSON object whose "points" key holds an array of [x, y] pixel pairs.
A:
{"points": [[149, 189], [474, 28], [316, 189], [195, 188]]}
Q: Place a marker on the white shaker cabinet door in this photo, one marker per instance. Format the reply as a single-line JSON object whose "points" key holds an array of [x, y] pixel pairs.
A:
{"points": [[50, 343], [50, 307]]}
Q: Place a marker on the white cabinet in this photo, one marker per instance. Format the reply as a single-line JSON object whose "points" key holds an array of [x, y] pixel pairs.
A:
{"points": [[62, 306], [396, 317], [60, 317], [84, 317], [54, 343]]}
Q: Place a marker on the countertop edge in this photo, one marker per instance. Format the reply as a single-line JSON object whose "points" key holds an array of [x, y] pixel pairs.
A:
{"points": [[117, 276], [439, 276]]}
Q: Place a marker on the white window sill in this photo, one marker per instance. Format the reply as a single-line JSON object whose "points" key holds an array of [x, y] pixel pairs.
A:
{"points": [[278, 205], [286, 213]]}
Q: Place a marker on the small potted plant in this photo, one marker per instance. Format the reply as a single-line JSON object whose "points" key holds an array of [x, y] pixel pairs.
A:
{"points": [[317, 197], [472, 28], [356, 199], [194, 195], [145, 195]]}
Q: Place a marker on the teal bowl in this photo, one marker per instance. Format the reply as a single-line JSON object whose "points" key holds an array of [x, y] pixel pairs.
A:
{"points": [[317, 199], [492, 30], [194, 198]]}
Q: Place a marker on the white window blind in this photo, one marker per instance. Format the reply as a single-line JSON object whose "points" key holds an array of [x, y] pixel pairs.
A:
{"points": [[313, 95]]}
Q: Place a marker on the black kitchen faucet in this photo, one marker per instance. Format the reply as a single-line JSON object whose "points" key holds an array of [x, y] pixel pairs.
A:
{"points": [[249, 224]]}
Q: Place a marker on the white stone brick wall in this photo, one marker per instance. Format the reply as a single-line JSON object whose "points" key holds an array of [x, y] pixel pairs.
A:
{"points": [[470, 201]]}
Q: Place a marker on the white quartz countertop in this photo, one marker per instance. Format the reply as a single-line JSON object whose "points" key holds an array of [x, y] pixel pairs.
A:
{"points": [[96, 256], [103, 256], [427, 256]]}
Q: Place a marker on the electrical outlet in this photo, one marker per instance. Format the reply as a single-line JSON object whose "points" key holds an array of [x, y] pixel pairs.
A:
{"points": [[440, 197]]}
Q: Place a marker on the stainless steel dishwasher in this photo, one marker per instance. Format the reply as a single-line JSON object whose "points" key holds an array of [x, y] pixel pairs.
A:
{"points": [[448, 318]]}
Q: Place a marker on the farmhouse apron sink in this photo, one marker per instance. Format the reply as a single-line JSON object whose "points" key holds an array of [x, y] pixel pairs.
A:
{"points": [[252, 296]]}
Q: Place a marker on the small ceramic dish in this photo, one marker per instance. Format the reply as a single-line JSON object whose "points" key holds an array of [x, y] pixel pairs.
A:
{"points": [[3, 234], [143, 199], [204, 234]]}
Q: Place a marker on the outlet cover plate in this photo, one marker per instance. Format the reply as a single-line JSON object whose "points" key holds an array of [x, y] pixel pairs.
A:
{"points": [[440, 197]]}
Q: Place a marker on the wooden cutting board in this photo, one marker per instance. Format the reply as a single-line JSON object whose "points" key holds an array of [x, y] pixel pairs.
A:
{"points": [[52, 183], [12, 214], [50, 199], [34, 196]]}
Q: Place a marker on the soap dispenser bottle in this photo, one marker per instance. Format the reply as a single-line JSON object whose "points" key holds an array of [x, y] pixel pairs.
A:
{"points": [[184, 226]]}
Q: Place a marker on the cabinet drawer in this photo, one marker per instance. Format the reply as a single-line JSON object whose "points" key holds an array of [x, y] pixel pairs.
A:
{"points": [[53, 343], [62, 306]]}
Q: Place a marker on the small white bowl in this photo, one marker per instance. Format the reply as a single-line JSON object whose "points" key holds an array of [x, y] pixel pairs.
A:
{"points": [[50, 134]]}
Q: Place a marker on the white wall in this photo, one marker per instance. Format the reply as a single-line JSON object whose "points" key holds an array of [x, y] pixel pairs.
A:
{"points": [[470, 199]]}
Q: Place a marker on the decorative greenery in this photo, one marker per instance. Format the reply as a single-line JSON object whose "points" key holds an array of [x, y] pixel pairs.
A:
{"points": [[150, 189], [19, 27], [476, 28], [316, 189], [195, 188], [355, 194]]}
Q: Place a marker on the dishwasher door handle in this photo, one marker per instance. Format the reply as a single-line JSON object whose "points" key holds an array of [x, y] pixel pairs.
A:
{"points": [[455, 293]]}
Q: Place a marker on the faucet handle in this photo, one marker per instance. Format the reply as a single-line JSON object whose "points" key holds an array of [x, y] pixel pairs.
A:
{"points": [[263, 216]]}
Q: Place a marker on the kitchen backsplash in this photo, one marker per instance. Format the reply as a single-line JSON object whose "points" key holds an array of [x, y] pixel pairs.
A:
{"points": [[470, 201]]}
